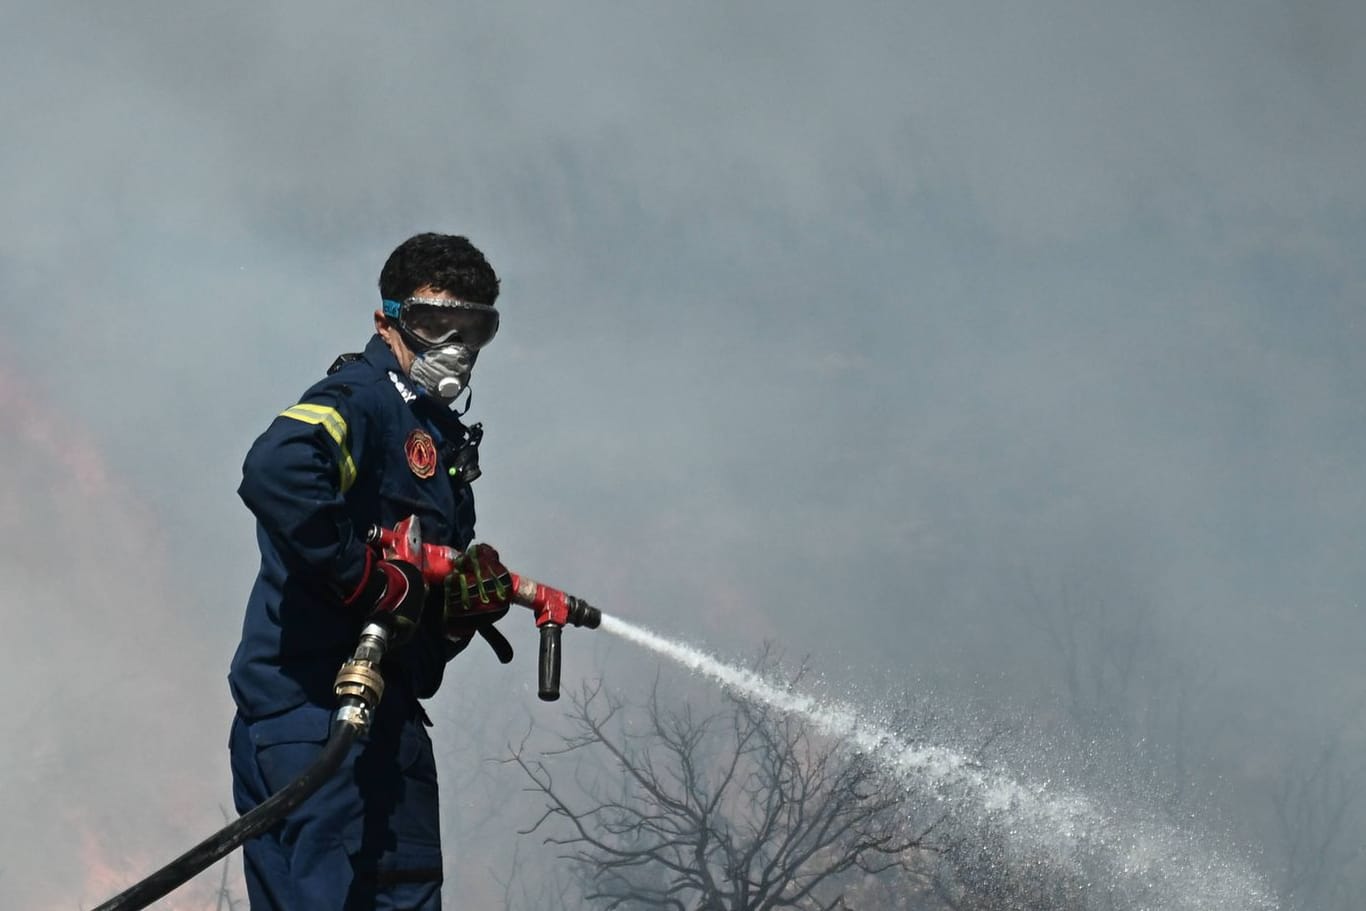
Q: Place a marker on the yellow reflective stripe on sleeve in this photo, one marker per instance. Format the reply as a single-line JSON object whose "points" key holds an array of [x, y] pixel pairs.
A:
{"points": [[329, 417], [331, 421]]}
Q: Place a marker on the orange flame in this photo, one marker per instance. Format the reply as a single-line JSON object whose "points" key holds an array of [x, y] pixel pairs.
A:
{"points": [[104, 744], [104, 876]]}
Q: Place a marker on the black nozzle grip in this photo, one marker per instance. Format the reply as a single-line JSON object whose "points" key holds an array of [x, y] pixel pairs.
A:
{"points": [[549, 682]]}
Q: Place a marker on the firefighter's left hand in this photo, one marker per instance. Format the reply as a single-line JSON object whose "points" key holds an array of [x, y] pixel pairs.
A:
{"points": [[479, 586], [477, 595]]}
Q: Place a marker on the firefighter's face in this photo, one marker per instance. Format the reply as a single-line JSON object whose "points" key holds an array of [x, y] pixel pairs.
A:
{"points": [[388, 329], [449, 334]]}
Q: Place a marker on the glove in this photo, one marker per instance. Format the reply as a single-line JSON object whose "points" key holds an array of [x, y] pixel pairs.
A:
{"points": [[478, 594], [392, 592], [479, 586]]}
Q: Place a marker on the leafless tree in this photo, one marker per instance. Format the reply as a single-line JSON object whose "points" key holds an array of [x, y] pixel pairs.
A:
{"points": [[979, 872], [547, 890], [1316, 802], [225, 900], [1124, 685], [743, 808]]}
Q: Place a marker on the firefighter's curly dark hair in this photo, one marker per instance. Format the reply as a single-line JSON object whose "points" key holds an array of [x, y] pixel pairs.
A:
{"points": [[445, 262]]}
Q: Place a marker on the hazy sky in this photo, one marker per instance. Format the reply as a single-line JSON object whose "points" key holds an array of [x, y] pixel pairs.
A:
{"points": [[839, 326]]}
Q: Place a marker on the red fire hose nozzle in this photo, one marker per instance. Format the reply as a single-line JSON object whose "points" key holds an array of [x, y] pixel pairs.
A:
{"points": [[554, 609]]}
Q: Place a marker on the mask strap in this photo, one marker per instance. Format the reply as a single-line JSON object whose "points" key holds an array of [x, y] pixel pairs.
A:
{"points": [[469, 400]]}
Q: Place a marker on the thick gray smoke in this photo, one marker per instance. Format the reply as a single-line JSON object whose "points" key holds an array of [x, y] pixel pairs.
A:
{"points": [[1014, 345]]}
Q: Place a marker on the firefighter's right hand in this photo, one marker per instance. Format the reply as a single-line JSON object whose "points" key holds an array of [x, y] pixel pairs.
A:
{"points": [[393, 593]]}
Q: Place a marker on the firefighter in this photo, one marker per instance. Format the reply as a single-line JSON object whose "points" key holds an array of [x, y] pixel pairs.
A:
{"points": [[375, 441]]}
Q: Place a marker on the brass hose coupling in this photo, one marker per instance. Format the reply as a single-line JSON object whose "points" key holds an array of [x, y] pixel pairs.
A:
{"points": [[359, 685], [361, 680]]}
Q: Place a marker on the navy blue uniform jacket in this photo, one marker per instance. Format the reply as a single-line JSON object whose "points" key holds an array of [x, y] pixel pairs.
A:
{"points": [[325, 471]]}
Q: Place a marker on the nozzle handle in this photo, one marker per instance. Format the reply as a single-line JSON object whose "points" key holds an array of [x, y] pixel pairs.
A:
{"points": [[549, 676]]}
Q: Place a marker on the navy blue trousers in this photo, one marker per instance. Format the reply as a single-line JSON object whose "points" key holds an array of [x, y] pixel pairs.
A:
{"points": [[369, 838]]}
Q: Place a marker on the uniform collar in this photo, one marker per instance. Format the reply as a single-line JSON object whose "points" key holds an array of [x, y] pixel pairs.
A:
{"points": [[379, 355]]}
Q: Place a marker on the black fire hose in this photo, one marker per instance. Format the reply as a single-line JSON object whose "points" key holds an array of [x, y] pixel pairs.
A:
{"points": [[359, 687], [256, 821]]}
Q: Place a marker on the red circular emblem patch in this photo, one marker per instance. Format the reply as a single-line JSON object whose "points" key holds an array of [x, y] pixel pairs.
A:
{"points": [[421, 453]]}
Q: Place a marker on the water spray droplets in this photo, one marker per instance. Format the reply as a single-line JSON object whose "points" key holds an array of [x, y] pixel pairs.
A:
{"points": [[1136, 864]]}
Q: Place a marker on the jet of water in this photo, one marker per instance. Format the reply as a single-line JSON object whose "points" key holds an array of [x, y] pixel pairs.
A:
{"points": [[1128, 861]]}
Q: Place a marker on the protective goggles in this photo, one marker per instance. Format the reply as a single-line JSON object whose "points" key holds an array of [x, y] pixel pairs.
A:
{"points": [[435, 322]]}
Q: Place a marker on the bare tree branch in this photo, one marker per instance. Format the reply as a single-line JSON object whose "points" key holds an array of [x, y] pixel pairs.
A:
{"points": [[744, 808]]}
